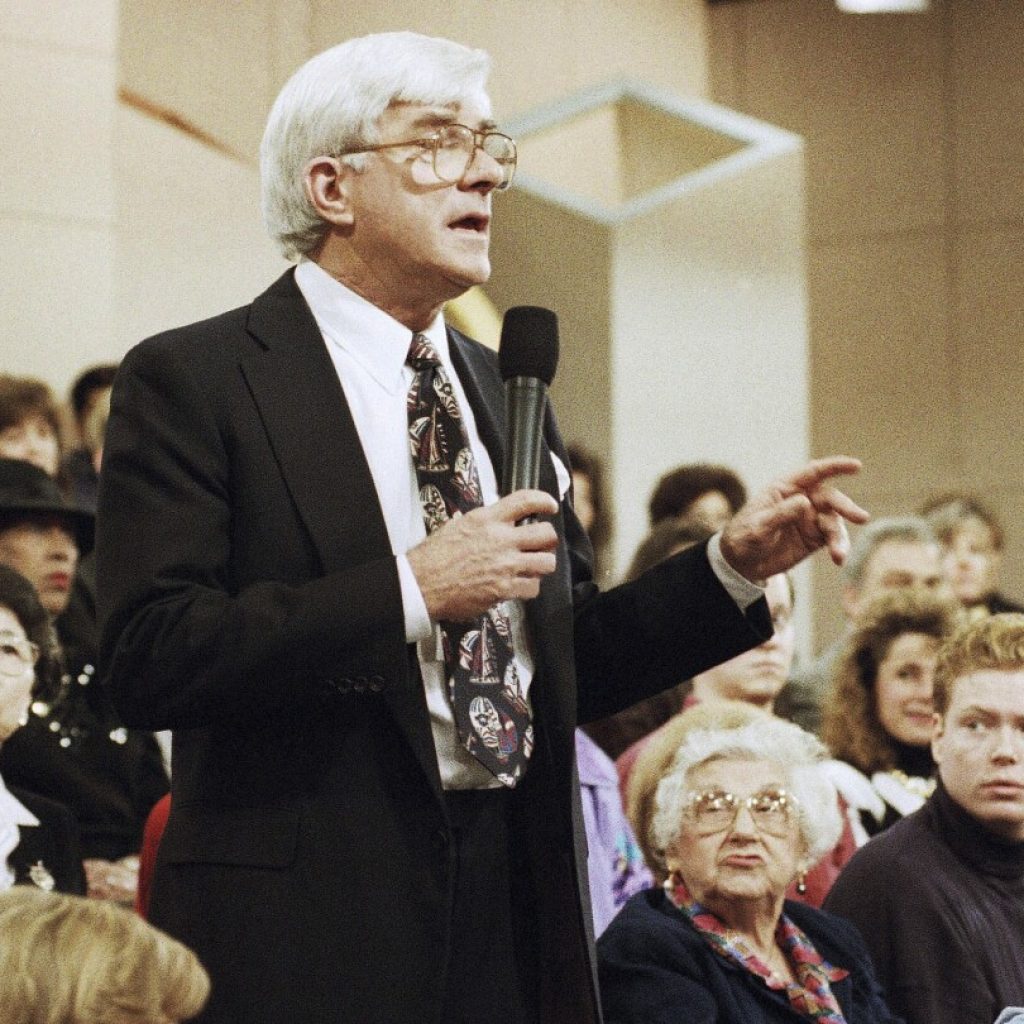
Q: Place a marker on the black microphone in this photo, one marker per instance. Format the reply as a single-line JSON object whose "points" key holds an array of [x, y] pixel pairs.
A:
{"points": [[528, 357]]}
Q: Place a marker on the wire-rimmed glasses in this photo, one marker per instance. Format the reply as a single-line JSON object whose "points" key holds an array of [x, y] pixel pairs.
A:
{"points": [[17, 655], [714, 810], [453, 147]]}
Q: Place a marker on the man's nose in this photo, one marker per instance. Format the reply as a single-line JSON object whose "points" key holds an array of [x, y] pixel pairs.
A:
{"points": [[1007, 744], [483, 171]]}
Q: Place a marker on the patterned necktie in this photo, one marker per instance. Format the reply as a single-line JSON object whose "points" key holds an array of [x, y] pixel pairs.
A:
{"points": [[491, 715]]}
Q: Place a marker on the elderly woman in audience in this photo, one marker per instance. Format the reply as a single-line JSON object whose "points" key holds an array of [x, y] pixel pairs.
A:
{"points": [[972, 543], [67, 960], [879, 718], [38, 837], [740, 815], [29, 423]]}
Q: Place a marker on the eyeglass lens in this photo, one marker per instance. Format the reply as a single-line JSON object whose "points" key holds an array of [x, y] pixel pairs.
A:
{"points": [[16, 656], [456, 146], [717, 810]]}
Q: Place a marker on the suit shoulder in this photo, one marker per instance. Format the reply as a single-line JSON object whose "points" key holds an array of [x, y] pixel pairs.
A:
{"points": [[203, 335]]}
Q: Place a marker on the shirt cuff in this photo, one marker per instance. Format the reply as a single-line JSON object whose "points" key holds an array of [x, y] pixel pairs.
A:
{"points": [[738, 587], [417, 622]]}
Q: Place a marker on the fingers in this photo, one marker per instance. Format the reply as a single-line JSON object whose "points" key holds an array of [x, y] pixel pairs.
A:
{"points": [[829, 499], [837, 538], [520, 504], [818, 470]]}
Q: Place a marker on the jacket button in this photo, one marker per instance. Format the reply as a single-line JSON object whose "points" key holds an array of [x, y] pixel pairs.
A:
{"points": [[359, 684], [376, 683], [345, 685], [440, 840]]}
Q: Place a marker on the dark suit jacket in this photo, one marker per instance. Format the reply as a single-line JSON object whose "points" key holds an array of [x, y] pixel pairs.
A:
{"points": [[49, 850], [656, 969], [250, 601]]}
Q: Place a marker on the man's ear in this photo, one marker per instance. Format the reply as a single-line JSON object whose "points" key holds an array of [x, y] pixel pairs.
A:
{"points": [[327, 182]]}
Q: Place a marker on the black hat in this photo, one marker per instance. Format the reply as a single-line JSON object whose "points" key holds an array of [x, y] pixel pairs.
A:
{"points": [[25, 488]]}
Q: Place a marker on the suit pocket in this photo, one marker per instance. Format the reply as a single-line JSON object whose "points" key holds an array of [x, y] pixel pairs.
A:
{"points": [[251, 837]]}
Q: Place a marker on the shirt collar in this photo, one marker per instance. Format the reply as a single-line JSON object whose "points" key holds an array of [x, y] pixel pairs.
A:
{"points": [[371, 337]]}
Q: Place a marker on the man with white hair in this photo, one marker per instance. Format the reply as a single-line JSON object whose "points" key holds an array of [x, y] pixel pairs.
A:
{"points": [[307, 573]]}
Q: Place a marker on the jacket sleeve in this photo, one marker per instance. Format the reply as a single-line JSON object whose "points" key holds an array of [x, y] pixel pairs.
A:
{"points": [[183, 643]]}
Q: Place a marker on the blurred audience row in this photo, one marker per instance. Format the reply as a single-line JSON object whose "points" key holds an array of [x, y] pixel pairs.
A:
{"points": [[919, 706], [883, 779]]}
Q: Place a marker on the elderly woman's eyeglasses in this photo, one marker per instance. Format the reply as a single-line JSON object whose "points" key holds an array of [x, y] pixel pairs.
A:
{"points": [[453, 147], [715, 810], [17, 655]]}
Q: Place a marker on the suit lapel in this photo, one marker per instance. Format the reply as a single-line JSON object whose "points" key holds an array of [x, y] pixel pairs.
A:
{"points": [[311, 430], [309, 426]]}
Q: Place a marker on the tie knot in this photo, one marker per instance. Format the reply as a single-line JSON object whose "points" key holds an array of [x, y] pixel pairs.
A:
{"points": [[422, 355]]}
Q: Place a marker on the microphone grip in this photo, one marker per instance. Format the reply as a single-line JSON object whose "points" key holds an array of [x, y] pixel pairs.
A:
{"points": [[524, 416]]}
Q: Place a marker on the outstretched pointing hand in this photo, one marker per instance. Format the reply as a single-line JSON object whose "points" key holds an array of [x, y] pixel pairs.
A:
{"points": [[794, 517]]}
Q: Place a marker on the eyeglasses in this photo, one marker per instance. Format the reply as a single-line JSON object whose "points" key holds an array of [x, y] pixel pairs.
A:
{"points": [[715, 810], [17, 655], [453, 147]]}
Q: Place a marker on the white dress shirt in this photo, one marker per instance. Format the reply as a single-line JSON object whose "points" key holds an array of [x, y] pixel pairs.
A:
{"points": [[368, 348]]}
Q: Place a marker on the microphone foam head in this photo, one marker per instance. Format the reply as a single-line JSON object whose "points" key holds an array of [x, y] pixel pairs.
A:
{"points": [[529, 343]]}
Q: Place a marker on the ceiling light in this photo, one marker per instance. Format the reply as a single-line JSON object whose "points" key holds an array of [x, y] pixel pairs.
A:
{"points": [[882, 6]]}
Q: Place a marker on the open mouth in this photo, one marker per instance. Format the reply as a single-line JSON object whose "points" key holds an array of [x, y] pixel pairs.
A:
{"points": [[474, 222]]}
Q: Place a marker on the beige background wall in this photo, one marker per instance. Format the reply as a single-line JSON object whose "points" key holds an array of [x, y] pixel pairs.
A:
{"points": [[914, 128], [113, 227]]}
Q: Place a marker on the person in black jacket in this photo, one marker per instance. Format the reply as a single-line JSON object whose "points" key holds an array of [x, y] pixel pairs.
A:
{"points": [[741, 814], [38, 837]]}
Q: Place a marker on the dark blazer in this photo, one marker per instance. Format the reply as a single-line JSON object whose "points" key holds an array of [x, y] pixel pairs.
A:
{"points": [[655, 968], [249, 600], [48, 851]]}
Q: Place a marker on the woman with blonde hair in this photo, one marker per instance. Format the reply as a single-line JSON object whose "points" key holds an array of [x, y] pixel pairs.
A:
{"points": [[68, 960], [878, 720]]}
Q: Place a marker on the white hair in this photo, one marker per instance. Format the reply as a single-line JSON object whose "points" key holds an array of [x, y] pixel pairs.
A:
{"points": [[335, 101], [798, 753]]}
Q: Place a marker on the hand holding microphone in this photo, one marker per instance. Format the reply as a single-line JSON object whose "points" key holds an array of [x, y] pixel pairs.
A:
{"points": [[501, 552]]}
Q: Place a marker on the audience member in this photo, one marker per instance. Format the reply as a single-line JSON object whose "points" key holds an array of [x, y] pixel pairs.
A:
{"points": [[887, 554], [758, 675], [89, 393], [615, 865], [740, 815], [29, 423], [704, 494], [655, 760], [879, 714], [972, 541], [74, 748], [67, 960], [755, 678], [616, 733], [38, 837], [939, 897], [590, 501]]}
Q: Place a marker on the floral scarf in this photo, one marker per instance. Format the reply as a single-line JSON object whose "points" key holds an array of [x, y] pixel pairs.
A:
{"points": [[810, 995]]}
